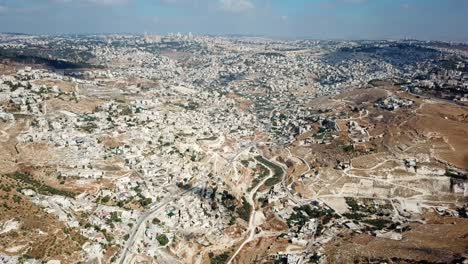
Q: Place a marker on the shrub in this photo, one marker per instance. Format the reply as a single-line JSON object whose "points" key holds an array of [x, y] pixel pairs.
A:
{"points": [[162, 239], [244, 211], [105, 199], [218, 259]]}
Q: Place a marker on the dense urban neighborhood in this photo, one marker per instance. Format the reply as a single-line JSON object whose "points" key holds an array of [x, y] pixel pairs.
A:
{"points": [[232, 149]]}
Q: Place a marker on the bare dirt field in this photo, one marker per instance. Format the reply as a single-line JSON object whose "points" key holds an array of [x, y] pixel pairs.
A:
{"points": [[449, 124], [441, 240], [81, 107], [33, 232], [61, 85]]}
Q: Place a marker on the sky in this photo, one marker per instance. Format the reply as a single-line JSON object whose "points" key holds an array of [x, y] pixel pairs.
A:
{"points": [[315, 19]]}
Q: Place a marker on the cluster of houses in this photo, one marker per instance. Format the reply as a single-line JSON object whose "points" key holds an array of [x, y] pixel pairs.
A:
{"points": [[392, 103]]}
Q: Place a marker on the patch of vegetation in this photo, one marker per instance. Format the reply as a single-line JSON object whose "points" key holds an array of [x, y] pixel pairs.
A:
{"points": [[212, 138], [277, 171], [348, 148], [28, 56], [5, 188], [245, 163], [145, 201], [456, 174], [115, 217], [108, 236], [272, 181], [228, 201], [17, 198], [40, 187], [89, 127], [263, 201], [190, 106], [162, 239], [352, 203], [354, 215], [262, 172], [105, 199], [244, 210], [378, 223], [304, 213], [271, 54], [218, 259]]}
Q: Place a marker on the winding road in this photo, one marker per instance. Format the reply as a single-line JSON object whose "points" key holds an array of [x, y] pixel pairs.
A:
{"points": [[250, 199], [137, 231]]}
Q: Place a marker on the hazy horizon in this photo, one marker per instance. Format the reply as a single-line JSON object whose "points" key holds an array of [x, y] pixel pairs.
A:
{"points": [[312, 19]]}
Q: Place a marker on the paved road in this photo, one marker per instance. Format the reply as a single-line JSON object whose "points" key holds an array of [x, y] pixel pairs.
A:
{"points": [[250, 198], [135, 233], [252, 226]]}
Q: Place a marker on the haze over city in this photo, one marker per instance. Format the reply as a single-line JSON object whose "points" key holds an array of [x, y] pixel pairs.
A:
{"points": [[317, 19]]}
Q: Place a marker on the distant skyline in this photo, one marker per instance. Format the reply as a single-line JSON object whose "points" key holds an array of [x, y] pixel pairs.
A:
{"points": [[318, 19]]}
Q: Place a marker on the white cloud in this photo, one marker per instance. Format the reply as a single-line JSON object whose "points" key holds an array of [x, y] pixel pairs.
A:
{"points": [[3, 9], [236, 6]]}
